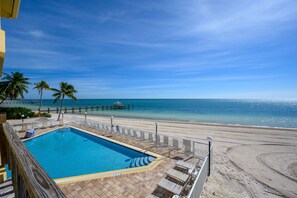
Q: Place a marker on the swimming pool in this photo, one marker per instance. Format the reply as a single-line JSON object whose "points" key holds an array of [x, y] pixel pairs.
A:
{"points": [[69, 152]]}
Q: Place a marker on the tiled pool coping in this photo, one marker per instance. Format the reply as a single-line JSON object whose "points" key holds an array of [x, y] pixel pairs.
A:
{"points": [[158, 159]]}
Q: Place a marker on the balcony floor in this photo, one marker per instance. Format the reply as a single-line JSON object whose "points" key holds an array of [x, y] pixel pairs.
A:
{"points": [[6, 189]]}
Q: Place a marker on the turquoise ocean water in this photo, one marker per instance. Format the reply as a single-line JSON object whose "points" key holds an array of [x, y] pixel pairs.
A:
{"points": [[219, 111]]}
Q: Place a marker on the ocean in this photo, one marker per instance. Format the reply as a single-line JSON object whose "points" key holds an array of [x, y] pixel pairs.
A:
{"points": [[264, 113]]}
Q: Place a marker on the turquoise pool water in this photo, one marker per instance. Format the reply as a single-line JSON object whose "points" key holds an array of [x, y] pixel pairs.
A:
{"points": [[70, 152]]}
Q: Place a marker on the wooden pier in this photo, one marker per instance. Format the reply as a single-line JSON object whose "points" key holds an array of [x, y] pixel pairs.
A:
{"points": [[21, 102], [88, 108]]}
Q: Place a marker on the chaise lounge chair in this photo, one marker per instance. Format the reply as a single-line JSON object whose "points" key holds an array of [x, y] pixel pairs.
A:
{"points": [[171, 186], [185, 165]]}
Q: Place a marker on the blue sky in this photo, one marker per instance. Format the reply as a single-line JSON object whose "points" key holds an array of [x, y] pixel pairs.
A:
{"points": [[157, 49]]}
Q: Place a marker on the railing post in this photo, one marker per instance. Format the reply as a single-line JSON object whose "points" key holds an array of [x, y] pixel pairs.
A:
{"points": [[3, 151], [209, 138], [156, 133]]}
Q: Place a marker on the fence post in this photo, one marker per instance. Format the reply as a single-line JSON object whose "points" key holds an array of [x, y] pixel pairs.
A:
{"points": [[79, 109], [111, 121], [209, 138], [72, 109], [48, 110], [156, 132]]}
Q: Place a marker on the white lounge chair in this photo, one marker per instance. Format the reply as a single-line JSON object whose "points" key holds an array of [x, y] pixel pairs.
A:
{"points": [[171, 186], [178, 175], [185, 165]]}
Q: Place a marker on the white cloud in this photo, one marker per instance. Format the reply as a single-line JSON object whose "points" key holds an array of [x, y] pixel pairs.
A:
{"points": [[36, 33]]}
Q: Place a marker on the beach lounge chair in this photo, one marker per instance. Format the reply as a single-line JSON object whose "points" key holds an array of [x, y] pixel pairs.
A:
{"points": [[171, 186], [185, 165], [104, 127], [130, 132], [178, 175], [96, 125], [146, 136], [187, 146], [101, 127], [142, 138], [92, 125], [150, 137], [135, 134], [24, 127], [112, 129], [175, 144], [165, 140], [158, 138], [181, 178], [122, 131]]}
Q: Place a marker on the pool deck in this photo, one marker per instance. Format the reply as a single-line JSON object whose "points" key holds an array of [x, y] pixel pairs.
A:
{"points": [[132, 185]]}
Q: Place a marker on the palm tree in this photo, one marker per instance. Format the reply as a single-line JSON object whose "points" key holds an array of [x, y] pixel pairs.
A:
{"points": [[13, 86], [65, 90], [40, 86]]}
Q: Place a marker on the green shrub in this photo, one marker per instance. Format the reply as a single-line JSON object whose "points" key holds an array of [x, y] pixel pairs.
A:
{"points": [[43, 114], [17, 112]]}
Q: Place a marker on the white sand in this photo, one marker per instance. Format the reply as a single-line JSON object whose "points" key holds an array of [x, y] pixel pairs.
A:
{"points": [[248, 161]]}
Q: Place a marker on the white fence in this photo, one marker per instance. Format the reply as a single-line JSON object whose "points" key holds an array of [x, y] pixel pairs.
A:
{"points": [[198, 149], [197, 187], [41, 124]]}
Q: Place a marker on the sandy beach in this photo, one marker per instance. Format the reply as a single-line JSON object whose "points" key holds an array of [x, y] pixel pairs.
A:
{"points": [[248, 161]]}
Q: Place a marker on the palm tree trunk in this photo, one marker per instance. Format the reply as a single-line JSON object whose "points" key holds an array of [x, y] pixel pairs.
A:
{"points": [[40, 104], [61, 107]]}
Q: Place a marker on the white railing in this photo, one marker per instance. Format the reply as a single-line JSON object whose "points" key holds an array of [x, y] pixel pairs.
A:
{"points": [[198, 184], [37, 125], [198, 149]]}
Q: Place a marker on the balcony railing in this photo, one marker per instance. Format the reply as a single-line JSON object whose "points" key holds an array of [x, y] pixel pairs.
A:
{"points": [[28, 177]]}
